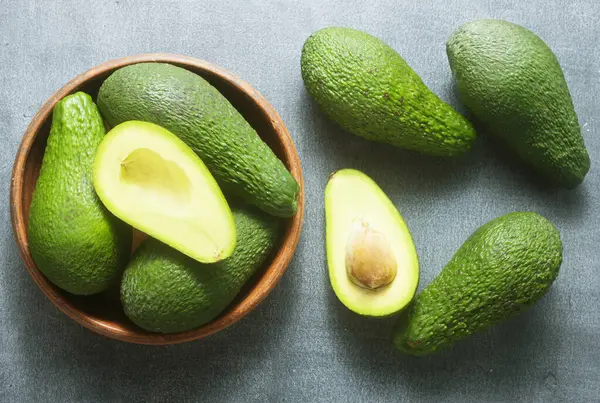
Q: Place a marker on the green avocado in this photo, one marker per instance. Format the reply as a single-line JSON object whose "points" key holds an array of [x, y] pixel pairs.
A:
{"points": [[189, 107], [75, 242], [367, 88], [503, 268], [512, 82], [165, 291]]}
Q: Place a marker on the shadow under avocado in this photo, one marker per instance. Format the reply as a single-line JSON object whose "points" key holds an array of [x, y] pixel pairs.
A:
{"points": [[501, 355], [396, 170], [569, 204]]}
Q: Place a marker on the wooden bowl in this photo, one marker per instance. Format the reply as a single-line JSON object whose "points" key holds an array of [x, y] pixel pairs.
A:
{"points": [[103, 313]]}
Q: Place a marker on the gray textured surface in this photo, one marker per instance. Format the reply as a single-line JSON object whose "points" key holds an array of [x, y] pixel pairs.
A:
{"points": [[301, 344]]}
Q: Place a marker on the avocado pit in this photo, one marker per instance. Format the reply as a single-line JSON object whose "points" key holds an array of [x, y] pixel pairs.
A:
{"points": [[370, 261]]}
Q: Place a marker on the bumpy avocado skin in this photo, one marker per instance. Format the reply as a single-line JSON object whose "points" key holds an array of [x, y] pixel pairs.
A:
{"points": [[165, 291], [367, 88], [512, 82], [503, 268], [75, 242], [191, 108]]}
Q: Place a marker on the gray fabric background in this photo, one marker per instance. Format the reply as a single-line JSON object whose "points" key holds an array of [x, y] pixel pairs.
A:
{"points": [[301, 344]]}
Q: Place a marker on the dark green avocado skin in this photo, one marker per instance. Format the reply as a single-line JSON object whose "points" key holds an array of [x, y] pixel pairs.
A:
{"points": [[503, 268], [512, 82], [368, 89], [188, 106], [165, 291], [74, 240]]}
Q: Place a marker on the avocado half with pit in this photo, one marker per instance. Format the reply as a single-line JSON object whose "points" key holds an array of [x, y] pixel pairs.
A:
{"points": [[373, 264], [149, 178]]}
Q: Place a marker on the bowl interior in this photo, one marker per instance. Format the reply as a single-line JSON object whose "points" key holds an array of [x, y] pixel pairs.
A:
{"points": [[103, 312]]}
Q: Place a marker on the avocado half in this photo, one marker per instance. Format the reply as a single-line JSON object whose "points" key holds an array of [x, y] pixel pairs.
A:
{"points": [[149, 178], [373, 263]]}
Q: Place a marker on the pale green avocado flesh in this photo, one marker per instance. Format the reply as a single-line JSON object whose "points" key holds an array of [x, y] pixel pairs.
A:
{"points": [[373, 264], [152, 180]]}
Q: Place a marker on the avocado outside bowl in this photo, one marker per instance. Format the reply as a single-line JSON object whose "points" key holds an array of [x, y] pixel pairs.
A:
{"points": [[102, 313]]}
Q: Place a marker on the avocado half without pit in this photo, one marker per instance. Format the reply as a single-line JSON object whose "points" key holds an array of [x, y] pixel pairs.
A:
{"points": [[373, 264], [152, 180]]}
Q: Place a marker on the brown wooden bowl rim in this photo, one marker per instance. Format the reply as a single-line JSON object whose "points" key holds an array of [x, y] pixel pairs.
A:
{"points": [[272, 273]]}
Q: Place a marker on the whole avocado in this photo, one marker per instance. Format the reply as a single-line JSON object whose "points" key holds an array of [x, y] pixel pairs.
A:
{"points": [[75, 242], [165, 291], [188, 106], [512, 82], [369, 90], [504, 267]]}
